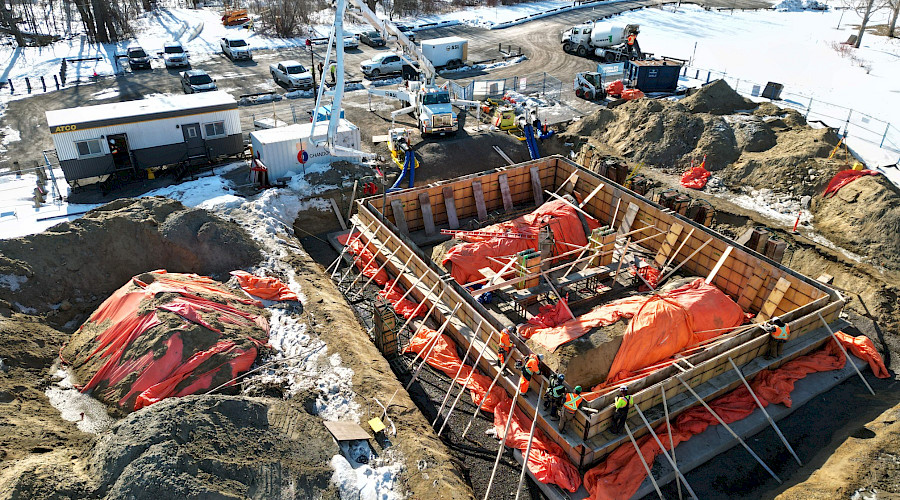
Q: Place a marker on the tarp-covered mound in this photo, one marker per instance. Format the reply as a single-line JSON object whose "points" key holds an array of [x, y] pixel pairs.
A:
{"points": [[567, 224], [661, 325], [165, 334]]}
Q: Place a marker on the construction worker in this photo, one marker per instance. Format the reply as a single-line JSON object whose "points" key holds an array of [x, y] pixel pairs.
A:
{"points": [[530, 368], [573, 402], [505, 345], [779, 332], [622, 404], [554, 396], [631, 38], [332, 70]]}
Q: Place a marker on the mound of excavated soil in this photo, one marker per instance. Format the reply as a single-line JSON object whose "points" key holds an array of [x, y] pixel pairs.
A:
{"points": [[864, 216], [586, 360], [70, 266], [717, 98], [184, 332]]}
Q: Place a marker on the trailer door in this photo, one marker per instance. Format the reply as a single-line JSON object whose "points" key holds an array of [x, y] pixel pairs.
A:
{"points": [[194, 141]]}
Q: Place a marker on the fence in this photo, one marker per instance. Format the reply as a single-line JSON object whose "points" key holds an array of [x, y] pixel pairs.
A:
{"points": [[847, 121], [535, 84]]}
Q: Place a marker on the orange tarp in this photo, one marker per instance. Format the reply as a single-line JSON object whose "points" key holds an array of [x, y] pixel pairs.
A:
{"points": [[546, 461], [863, 348], [563, 219], [264, 287]]}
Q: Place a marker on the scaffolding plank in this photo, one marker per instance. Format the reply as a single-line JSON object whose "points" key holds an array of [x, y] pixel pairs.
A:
{"points": [[346, 431], [771, 304], [337, 212], [450, 207], [628, 220], [399, 216], [504, 192], [478, 193], [427, 216], [665, 249], [536, 188]]}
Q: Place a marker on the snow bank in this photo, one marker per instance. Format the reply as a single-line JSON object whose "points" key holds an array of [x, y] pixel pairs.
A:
{"points": [[364, 482], [87, 413], [800, 5]]}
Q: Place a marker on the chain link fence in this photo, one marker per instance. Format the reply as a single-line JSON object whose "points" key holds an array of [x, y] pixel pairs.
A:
{"points": [[847, 121], [541, 84]]}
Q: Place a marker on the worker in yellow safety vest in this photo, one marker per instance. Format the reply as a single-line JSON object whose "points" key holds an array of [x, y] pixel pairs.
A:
{"points": [[571, 405], [622, 404], [530, 368], [504, 347], [779, 332]]}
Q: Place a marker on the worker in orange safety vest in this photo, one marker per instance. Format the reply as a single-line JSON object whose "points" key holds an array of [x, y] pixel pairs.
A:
{"points": [[779, 332], [530, 368], [631, 38], [571, 405], [504, 347]]}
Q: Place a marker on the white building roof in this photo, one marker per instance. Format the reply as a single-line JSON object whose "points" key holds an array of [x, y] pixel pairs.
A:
{"points": [[140, 109], [297, 132]]}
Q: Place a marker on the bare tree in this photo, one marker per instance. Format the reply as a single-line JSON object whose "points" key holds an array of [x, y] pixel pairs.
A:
{"points": [[285, 18], [895, 10], [11, 24]]}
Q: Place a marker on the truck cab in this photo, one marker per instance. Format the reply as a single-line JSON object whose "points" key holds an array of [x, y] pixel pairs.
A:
{"points": [[292, 74], [435, 112], [236, 48], [577, 39]]}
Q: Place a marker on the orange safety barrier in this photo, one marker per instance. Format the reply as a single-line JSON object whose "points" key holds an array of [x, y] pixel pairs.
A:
{"points": [[264, 287], [621, 474], [563, 220], [547, 461]]}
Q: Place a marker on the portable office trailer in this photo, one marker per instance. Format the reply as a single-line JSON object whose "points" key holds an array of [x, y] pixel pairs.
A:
{"points": [[653, 75], [289, 149], [95, 141]]}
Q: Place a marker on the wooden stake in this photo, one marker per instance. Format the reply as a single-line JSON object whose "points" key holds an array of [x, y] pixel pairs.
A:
{"points": [[588, 197], [458, 371], [337, 212], [678, 473], [561, 186], [437, 336], [433, 305], [715, 270], [640, 455], [567, 202], [621, 259], [845, 353], [558, 296], [726, 426], [382, 266], [512, 409], [691, 256], [497, 376], [530, 439], [466, 383], [669, 428], [612, 223], [672, 257], [763, 409], [352, 198]]}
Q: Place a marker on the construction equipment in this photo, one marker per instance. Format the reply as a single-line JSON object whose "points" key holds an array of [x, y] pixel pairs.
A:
{"points": [[589, 85], [235, 17], [611, 44]]}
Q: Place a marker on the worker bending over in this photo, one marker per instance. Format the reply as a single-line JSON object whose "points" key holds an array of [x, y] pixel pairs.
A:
{"points": [[573, 402], [530, 368], [622, 404], [779, 332], [553, 398], [504, 347]]}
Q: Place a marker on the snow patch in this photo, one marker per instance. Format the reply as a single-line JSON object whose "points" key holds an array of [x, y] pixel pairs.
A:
{"points": [[87, 413], [800, 5], [12, 281], [363, 481]]}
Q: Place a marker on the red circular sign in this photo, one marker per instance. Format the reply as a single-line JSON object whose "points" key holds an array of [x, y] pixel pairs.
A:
{"points": [[302, 157]]}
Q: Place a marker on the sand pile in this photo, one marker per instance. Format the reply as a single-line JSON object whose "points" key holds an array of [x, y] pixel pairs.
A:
{"points": [[166, 335], [717, 98], [864, 216], [66, 270]]}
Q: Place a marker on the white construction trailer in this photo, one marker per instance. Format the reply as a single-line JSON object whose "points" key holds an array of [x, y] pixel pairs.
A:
{"points": [[93, 142], [282, 151]]}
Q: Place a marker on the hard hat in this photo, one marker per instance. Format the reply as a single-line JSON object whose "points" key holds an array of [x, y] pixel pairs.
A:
{"points": [[540, 357], [624, 388], [510, 329], [778, 321], [560, 377], [577, 389]]}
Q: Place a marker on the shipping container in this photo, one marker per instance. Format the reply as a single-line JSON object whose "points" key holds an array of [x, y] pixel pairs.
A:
{"points": [[93, 142], [450, 51], [285, 151]]}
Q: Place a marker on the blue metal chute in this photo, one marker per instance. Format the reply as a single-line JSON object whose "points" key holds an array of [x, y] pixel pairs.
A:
{"points": [[531, 142], [409, 170]]}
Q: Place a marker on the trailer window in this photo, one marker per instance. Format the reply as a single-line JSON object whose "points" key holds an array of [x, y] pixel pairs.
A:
{"points": [[215, 129], [88, 148]]}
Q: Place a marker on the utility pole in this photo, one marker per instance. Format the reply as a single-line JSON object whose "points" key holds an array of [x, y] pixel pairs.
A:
{"points": [[312, 62]]}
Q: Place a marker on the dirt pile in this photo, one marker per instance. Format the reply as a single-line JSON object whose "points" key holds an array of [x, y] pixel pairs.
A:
{"points": [[67, 268], [863, 216], [717, 98], [163, 335]]}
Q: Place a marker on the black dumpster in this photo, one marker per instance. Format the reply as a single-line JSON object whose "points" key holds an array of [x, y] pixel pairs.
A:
{"points": [[653, 75], [773, 91]]}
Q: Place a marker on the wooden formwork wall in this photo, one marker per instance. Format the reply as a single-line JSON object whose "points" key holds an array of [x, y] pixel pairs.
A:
{"points": [[746, 276]]}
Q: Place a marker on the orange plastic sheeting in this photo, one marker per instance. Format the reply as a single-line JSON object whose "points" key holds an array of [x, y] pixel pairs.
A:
{"points": [[468, 258], [547, 461], [843, 178], [710, 309], [863, 348], [548, 316], [264, 287], [406, 308], [366, 264], [621, 474]]}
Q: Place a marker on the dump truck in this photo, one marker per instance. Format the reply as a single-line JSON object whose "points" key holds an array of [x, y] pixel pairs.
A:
{"points": [[609, 43]]}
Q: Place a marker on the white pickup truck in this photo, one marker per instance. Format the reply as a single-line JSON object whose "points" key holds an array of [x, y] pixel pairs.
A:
{"points": [[236, 48], [291, 73]]}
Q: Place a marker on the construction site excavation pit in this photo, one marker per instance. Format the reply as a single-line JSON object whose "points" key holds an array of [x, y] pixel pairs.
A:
{"points": [[650, 299]]}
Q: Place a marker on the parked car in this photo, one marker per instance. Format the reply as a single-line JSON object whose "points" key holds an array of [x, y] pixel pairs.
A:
{"points": [[137, 58], [174, 55], [235, 48], [197, 80], [350, 42], [372, 38], [291, 73], [382, 64], [408, 31]]}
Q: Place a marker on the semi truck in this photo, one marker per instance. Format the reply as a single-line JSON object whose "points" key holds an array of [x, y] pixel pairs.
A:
{"points": [[609, 43]]}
